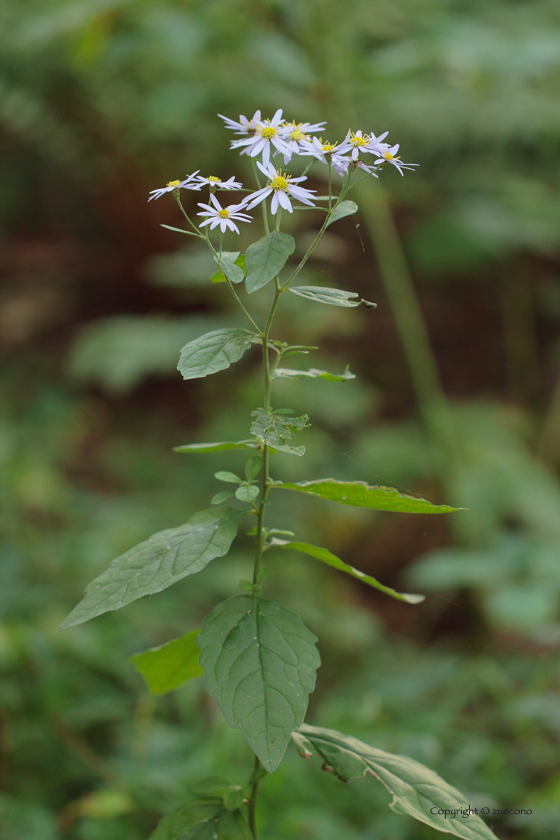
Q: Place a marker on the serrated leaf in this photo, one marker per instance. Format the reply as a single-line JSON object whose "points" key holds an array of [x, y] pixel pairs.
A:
{"points": [[220, 446], [203, 819], [212, 352], [259, 664], [360, 494], [345, 208], [266, 258], [416, 790], [325, 556], [247, 494], [159, 562], [169, 666], [276, 430], [313, 373], [333, 297], [232, 266]]}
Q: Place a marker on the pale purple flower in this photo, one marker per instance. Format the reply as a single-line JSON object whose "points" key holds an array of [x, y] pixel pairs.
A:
{"points": [[325, 152], [223, 216], [388, 154], [281, 186], [297, 135], [244, 126], [266, 135], [217, 183], [188, 184]]}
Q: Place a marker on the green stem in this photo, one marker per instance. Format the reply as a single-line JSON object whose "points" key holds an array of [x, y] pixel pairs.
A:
{"points": [[263, 203], [230, 284], [252, 804], [186, 215], [330, 184]]}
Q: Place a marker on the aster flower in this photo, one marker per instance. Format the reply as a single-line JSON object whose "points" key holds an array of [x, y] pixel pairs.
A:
{"points": [[325, 152], [217, 183], [244, 126], [296, 135], [368, 143], [388, 155], [281, 187], [266, 135], [188, 184], [223, 216]]}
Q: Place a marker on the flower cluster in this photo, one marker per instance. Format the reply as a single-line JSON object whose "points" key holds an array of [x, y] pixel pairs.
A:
{"points": [[271, 138]]}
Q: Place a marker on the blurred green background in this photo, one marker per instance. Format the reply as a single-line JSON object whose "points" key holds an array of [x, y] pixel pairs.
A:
{"points": [[103, 100]]}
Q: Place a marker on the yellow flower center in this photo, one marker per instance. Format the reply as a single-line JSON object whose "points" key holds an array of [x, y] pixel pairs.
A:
{"points": [[328, 147], [214, 179], [268, 131], [358, 140], [223, 214], [296, 134], [389, 156], [279, 183], [173, 184]]}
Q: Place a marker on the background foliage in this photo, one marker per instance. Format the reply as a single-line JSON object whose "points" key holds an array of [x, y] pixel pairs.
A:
{"points": [[103, 100]]}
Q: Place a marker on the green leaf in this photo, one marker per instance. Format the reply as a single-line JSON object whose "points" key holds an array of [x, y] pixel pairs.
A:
{"points": [[360, 494], [259, 664], [180, 230], [221, 446], [217, 786], [203, 819], [253, 467], [159, 562], [345, 208], [313, 373], [416, 790], [224, 475], [169, 666], [212, 352], [276, 430], [232, 266], [325, 556], [266, 258], [247, 493], [219, 498], [334, 297]]}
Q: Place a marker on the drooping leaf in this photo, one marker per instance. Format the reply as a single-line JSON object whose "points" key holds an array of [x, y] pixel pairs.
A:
{"points": [[259, 664], [345, 208], [220, 446], [204, 818], [159, 562], [238, 259], [231, 265], [266, 258], [416, 790], [313, 373], [169, 666], [276, 430], [212, 352], [334, 297], [360, 494], [325, 556]]}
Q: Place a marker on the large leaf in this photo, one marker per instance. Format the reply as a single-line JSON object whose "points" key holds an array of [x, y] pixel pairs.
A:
{"points": [[259, 664], [416, 790], [231, 265], [169, 666], [360, 494], [276, 430], [212, 352], [325, 556], [266, 258], [205, 818], [220, 446], [313, 373], [334, 297], [345, 208], [159, 562]]}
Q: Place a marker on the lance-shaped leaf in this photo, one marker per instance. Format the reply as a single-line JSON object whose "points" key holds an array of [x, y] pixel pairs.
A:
{"points": [[220, 446], [266, 258], [416, 790], [212, 352], [232, 266], [159, 562], [259, 664], [325, 556], [205, 818], [276, 430], [169, 666], [313, 373], [334, 297], [360, 494], [345, 208]]}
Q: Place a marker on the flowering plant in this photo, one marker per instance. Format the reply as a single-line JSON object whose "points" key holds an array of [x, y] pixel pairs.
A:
{"points": [[258, 659]]}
